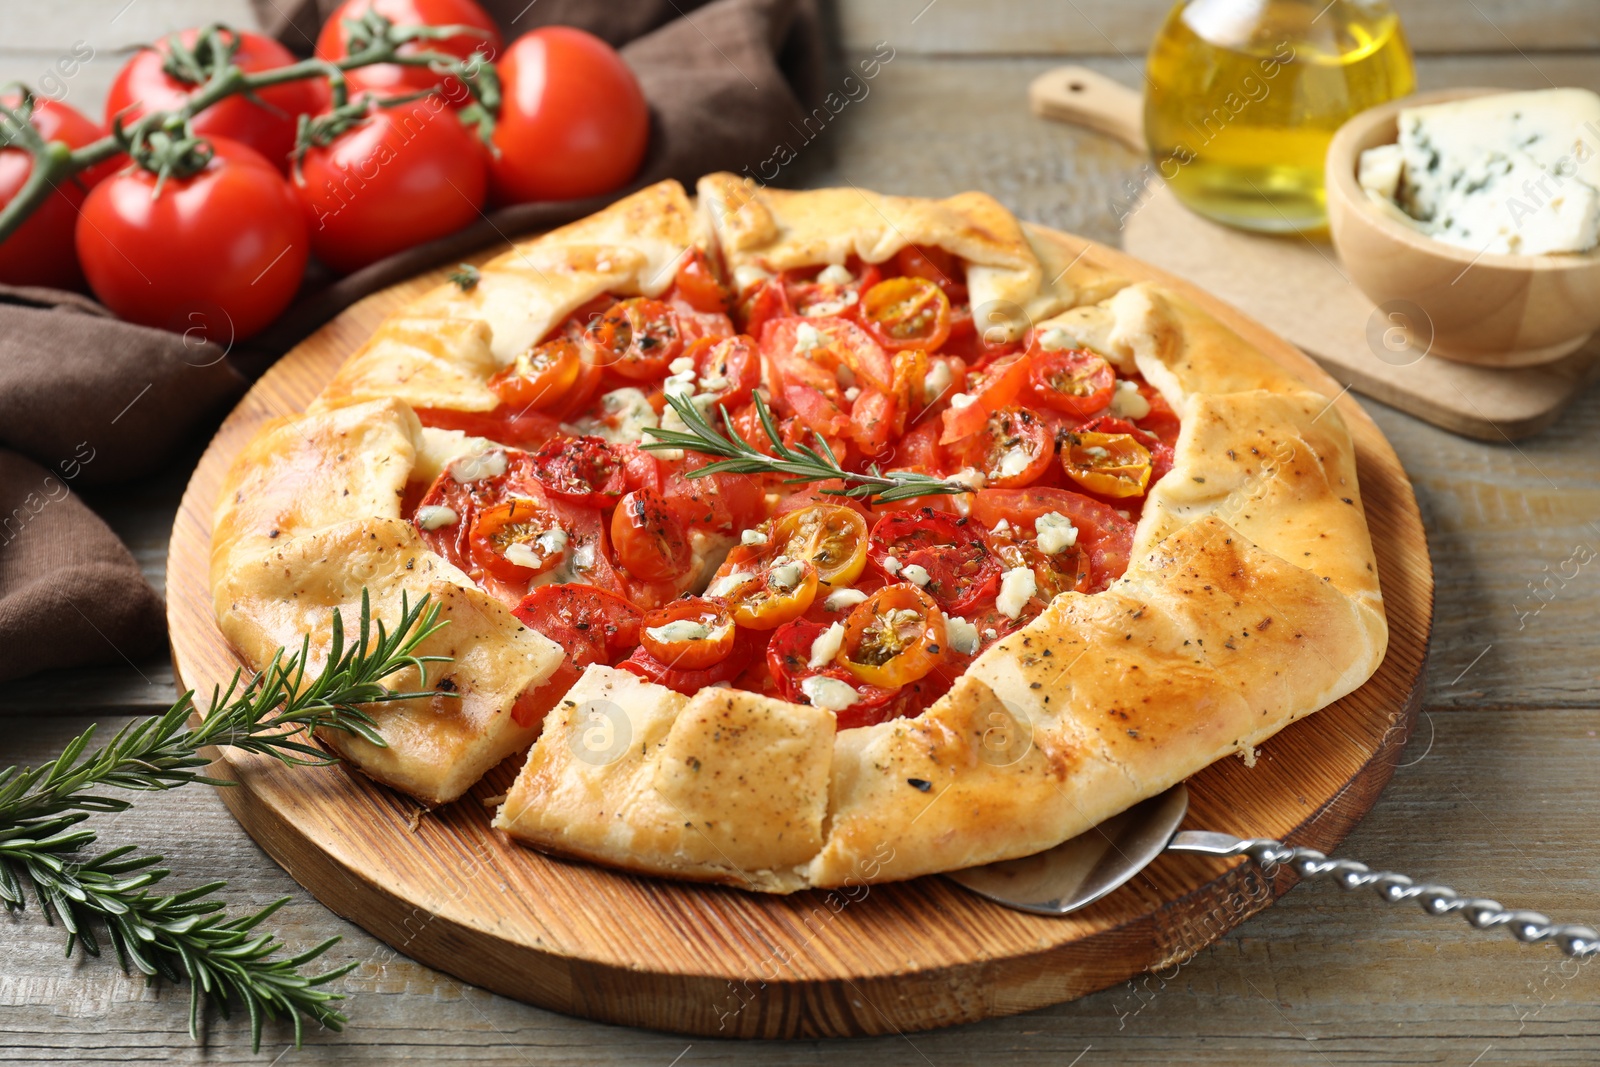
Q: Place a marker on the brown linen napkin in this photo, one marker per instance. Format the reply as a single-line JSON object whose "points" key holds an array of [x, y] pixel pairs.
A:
{"points": [[89, 399]]}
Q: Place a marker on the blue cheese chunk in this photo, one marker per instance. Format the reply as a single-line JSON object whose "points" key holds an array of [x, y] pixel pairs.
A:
{"points": [[841, 599], [1054, 533], [826, 647], [829, 693], [962, 635], [1511, 173], [436, 516], [1017, 587], [680, 630]]}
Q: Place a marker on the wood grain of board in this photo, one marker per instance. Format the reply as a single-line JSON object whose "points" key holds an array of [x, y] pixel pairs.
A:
{"points": [[448, 891]]}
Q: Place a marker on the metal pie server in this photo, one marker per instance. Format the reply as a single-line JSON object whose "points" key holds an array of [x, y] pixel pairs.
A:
{"points": [[1085, 868]]}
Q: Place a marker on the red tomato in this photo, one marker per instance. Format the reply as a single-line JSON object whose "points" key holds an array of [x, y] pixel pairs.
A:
{"points": [[836, 342], [1075, 381], [265, 120], [583, 470], [40, 252], [722, 502], [1014, 448], [961, 565], [747, 645], [1160, 449], [1103, 535], [729, 370], [574, 122], [637, 338], [594, 626], [689, 652], [394, 79], [651, 541], [810, 297], [872, 421], [994, 387], [217, 254], [697, 285], [509, 424], [762, 302], [789, 660], [404, 175], [937, 266]]}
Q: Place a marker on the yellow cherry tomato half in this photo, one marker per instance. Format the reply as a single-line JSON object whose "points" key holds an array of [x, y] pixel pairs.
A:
{"points": [[1110, 464], [690, 634], [894, 637], [773, 597], [539, 377], [906, 313], [830, 536]]}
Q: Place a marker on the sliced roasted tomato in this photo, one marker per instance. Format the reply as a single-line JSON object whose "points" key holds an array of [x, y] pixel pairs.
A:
{"points": [[1062, 569], [894, 637], [728, 370], [762, 302], [816, 410], [1105, 537], [689, 634], [789, 662], [649, 538], [832, 291], [593, 625], [906, 312], [541, 377], [584, 470], [747, 646], [697, 285], [992, 388], [517, 539], [1073, 381], [723, 502], [637, 338], [873, 418], [1014, 448], [772, 597], [507, 424], [1108, 464], [953, 554], [828, 343]]}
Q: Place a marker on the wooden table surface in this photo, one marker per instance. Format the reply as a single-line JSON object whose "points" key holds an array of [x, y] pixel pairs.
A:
{"points": [[1496, 794]]}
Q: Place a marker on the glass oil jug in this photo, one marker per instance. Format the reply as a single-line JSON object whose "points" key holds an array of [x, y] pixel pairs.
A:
{"points": [[1243, 96]]}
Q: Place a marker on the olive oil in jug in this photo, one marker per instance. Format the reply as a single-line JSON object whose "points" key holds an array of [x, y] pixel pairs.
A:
{"points": [[1243, 97]]}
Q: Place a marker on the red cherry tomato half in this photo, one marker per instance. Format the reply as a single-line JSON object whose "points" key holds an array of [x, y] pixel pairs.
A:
{"points": [[650, 539], [394, 79], [689, 634], [637, 338], [697, 285], [746, 647], [40, 252], [1014, 448], [1075, 381], [573, 122], [265, 120], [960, 564], [403, 175], [217, 255], [728, 370], [789, 661], [541, 377], [593, 625], [509, 539], [583, 470]]}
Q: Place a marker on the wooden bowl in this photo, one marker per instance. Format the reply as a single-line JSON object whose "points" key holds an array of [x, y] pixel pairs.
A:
{"points": [[1494, 310]]}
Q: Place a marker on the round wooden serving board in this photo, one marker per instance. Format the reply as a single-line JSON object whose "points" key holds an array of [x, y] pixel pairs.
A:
{"points": [[447, 890]]}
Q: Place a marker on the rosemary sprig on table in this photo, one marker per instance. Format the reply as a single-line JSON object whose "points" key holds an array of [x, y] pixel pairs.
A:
{"points": [[801, 462], [188, 935]]}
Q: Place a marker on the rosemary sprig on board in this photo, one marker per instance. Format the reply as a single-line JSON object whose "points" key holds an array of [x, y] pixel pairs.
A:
{"points": [[802, 463], [188, 935]]}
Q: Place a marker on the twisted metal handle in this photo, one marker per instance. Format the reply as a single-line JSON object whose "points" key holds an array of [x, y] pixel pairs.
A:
{"points": [[1526, 926]]}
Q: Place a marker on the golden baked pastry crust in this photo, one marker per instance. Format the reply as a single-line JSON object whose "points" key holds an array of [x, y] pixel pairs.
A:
{"points": [[1251, 600]]}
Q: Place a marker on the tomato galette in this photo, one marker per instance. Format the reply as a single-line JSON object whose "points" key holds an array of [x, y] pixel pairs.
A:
{"points": [[811, 537]]}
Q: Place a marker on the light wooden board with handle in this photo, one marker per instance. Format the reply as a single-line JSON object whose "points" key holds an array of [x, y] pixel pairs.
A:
{"points": [[1296, 286]]}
